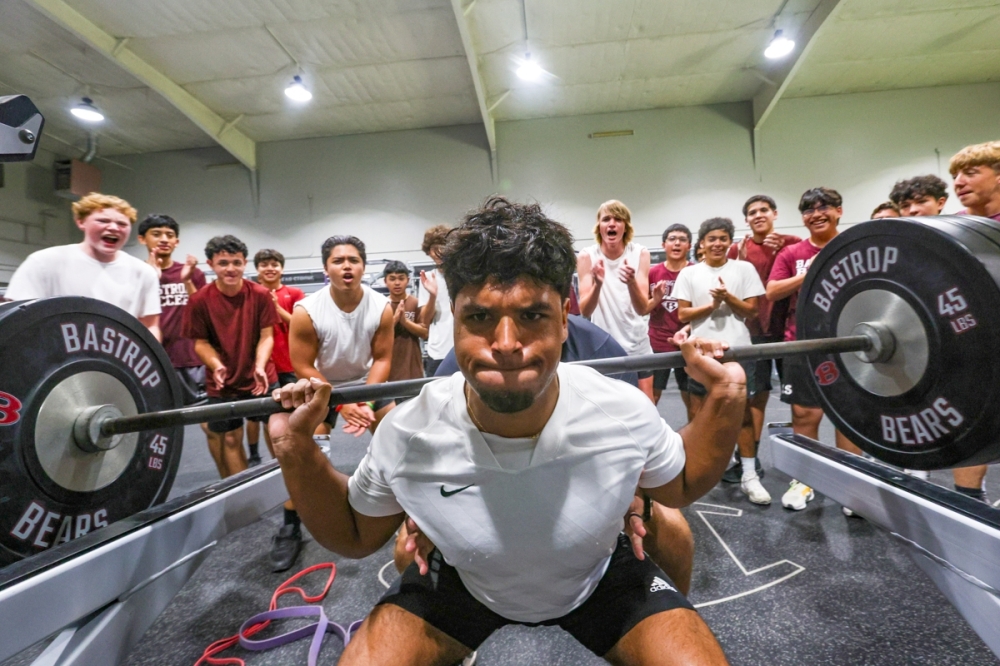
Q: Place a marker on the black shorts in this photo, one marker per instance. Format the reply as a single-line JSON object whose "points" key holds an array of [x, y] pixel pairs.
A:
{"points": [[644, 374], [797, 383], [431, 366], [225, 425], [765, 367], [331, 417], [286, 378], [660, 378], [749, 368], [630, 591], [192, 383]]}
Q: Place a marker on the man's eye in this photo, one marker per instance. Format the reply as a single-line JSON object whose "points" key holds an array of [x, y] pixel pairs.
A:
{"points": [[478, 316], [533, 316]]}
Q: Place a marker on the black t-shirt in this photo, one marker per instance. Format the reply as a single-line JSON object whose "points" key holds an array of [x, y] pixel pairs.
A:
{"points": [[585, 342]]}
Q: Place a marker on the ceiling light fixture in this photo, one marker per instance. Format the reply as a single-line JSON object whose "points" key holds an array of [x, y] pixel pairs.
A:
{"points": [[529, 70], [779, 47], [297, 90], [87, 112]]}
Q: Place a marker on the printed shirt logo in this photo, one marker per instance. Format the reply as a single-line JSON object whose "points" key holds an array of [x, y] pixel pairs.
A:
{"points": [[669, 302], [659, 585], [449, 493], [173, 294]]}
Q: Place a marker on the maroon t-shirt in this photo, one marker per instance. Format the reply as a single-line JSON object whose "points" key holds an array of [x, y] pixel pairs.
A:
{"points": [[287, 298], [791, 261], [232, 325], [663, 321], [770, 316], [173, 299], [966, 212]]}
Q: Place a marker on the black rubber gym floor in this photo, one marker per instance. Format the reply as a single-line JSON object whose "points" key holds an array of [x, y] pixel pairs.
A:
{"points": [[777, 587]]}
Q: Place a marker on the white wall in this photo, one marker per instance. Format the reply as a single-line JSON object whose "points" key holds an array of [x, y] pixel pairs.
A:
{"points": [[31, 216], [681, 165]]}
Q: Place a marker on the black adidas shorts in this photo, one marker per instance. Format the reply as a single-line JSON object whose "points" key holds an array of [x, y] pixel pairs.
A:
{"points": [[630, 591]]}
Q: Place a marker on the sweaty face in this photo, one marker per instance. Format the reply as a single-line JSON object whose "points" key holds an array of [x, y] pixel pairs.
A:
{"points": [[977, 186], [925, 205], [715, 244], [761, 217], [161, 240], [270, 270], [345, 267], [677, 246], [228, 267], [508, 341], [104, 233], [612, 228], [397, 283]]}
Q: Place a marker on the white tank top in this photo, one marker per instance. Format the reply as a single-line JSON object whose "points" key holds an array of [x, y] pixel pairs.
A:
{"points": [[614, 312], [345, 338]]}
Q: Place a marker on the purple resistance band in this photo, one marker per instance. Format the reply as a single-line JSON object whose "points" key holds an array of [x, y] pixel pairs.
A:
{"points": [[318, 630]]}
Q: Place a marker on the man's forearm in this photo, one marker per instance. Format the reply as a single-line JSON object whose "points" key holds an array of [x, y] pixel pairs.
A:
{"points": [[427, 311], [264, 349], [710, 437], [320, 495], [779, 289], [379, 372], [589, 298], [638, 295], [689, 313], [414, 328], [207, 354], [743, 309]]}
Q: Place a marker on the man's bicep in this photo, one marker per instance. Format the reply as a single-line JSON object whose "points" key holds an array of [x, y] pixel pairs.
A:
{"points": [[376, 531]]}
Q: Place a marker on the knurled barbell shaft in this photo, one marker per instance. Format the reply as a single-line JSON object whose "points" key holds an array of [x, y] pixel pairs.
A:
{"points": [[366, 392]]}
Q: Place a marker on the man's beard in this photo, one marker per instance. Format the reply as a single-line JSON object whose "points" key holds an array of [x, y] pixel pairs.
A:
{"points": [[507, 402]]}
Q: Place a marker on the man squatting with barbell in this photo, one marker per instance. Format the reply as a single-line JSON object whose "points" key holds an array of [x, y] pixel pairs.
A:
{"points": [[519, 469]]}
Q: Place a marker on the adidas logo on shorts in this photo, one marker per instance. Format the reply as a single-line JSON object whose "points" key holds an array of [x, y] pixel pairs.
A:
{"points": [[659, 585]]}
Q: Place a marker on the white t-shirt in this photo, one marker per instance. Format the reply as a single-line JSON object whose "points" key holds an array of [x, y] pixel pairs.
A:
{"points": [[693, 285], [66, 270], [441, 334], [533, 543], [345, 338], [614, 312]]}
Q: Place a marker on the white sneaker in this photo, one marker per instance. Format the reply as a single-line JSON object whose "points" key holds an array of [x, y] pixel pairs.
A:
{"points": [[754, 491], [470, 660], [797, 496], [847, 512]]}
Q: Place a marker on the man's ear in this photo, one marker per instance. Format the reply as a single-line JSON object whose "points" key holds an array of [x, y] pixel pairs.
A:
{"points": [[141, 239]]}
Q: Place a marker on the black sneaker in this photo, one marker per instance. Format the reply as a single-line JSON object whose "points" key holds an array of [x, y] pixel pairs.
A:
{"points": [[285, 547], [735, 473], [253, 461]]}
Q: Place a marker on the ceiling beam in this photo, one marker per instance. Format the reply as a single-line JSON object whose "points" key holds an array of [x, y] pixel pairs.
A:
{"points": [[765, 101], [224, 132], [477, 79]]}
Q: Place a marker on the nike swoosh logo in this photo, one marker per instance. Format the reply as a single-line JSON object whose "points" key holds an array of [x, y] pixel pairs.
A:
{"points": [[449, 493]]}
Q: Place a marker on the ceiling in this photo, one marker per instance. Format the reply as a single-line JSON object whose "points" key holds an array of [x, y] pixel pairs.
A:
{"points": [[172, 74]]}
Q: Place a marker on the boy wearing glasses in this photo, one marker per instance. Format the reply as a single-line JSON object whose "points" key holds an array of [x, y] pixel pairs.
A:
{"points": [[821, 210]]}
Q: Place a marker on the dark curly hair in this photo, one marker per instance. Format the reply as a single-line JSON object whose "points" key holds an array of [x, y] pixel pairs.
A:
{"points": [[918, 188], [822, 196], [503, 241], [230, 244]]}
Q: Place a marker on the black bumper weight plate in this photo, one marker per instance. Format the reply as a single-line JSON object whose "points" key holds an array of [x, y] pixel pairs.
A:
{"points": [[57, 355], [942, 269]]}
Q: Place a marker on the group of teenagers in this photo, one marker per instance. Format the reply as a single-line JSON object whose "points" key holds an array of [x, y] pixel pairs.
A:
{"points": [[506, 483]]}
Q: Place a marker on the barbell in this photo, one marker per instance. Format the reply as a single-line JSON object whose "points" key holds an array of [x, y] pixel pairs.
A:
{"points": [[897, 319]]}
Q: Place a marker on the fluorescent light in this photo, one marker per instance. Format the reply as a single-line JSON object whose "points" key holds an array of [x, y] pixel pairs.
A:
{"points": [[87, 112], [529, 70], [779, 47], [297, 90]]}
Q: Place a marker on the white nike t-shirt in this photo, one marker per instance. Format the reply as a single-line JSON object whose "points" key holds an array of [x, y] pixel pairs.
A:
{"points": [[530, 542], [65, 270]]}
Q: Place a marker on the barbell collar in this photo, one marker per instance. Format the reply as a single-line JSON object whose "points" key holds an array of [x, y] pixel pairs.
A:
{"points": [[368, 392]]}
